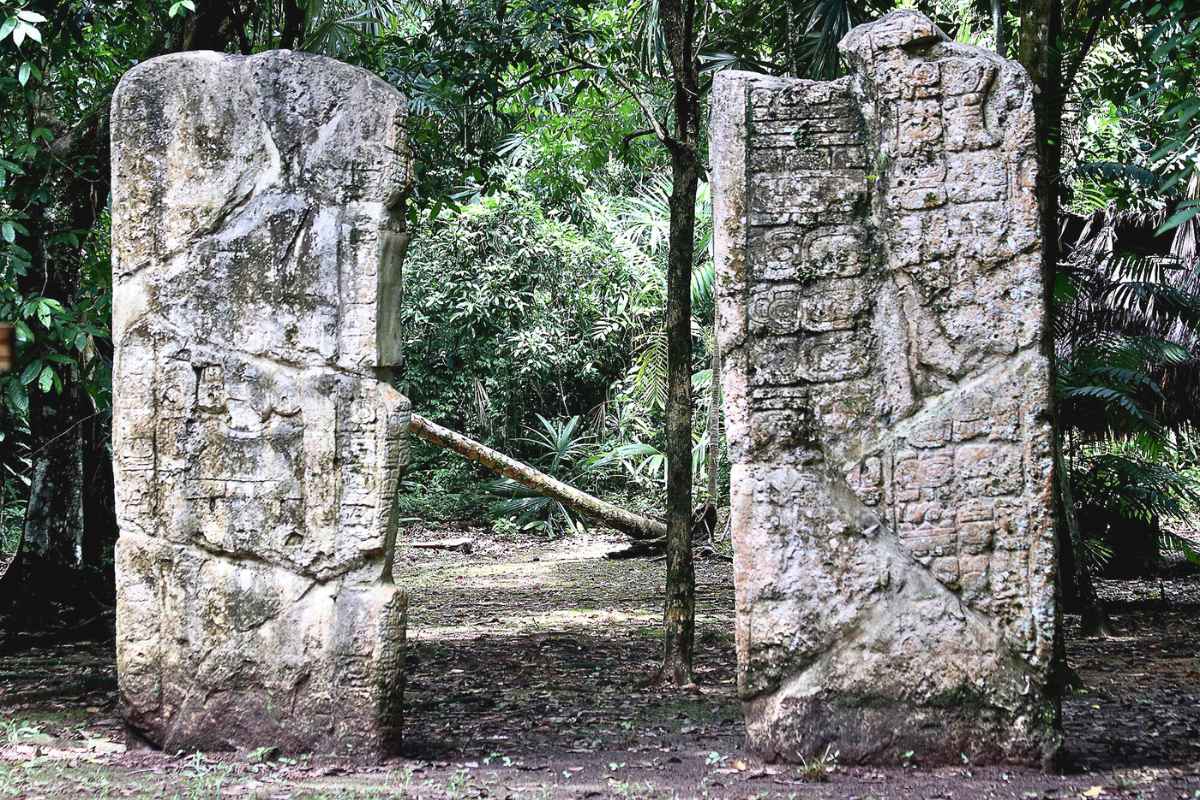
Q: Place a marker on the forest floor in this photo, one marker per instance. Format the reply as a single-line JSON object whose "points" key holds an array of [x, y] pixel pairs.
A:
{"points": [[527, 678]]}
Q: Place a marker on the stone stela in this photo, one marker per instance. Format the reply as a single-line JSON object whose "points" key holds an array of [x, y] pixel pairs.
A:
{"points": [[881, 319], [258, 231]]}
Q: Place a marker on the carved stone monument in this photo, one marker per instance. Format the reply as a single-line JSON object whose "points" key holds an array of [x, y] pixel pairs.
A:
{"points": [[257, 240], [881, 320]]}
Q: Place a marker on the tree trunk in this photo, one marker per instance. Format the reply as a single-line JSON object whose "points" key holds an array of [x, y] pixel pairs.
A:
{"points": [[99, 502], [1076, 590], [53, 528], [998, 26], [714, 424], [215, 25], [87, 196], [627, 522], [293, 25], [46, 566], [1040, 52], [679, 611]]}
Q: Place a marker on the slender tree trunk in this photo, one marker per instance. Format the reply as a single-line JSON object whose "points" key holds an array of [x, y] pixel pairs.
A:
{"points": [[293, 25], [87, 196], [99, 503], [53, 529], [215, 25], [999, 27], [1077, 593], [635, 525], [679, 612], [680, 608], [1040, 51], [714, 425]]}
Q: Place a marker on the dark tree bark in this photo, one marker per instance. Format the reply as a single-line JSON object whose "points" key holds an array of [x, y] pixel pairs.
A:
{"points": [[87, 195], [679, 613], [216, 25], [53, 516], [999, 26], [99, 505], [294, 17], [53, 530], [1040, 51], [714, 425]]}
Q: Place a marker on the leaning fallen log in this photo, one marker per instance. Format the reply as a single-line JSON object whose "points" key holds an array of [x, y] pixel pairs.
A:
{"points": [[634, 525]]}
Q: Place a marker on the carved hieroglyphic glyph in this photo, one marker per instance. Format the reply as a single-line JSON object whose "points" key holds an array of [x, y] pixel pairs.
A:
{"points": [[881, 319], [257, 240]]}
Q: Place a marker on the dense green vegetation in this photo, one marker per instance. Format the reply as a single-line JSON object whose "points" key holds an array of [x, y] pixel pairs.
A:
{"points": [[536, 289]]}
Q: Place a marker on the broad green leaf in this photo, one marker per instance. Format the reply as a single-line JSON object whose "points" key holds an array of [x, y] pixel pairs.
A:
{"points": [[23, 74], [46, 379], [30, 16], [7, 27], [30, 373], [17, 397], [9, 232], [24, 332], [33, 33], [1187, 210], [18, 34]]}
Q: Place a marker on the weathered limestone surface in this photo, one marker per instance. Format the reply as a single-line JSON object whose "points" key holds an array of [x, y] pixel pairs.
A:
{"points": [[257, 241], [881, 318]]}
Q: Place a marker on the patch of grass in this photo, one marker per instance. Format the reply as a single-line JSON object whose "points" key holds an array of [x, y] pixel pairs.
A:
{"points": [[819, 768], [633, 790], [12, 781], [19, 731], [203, 779]]}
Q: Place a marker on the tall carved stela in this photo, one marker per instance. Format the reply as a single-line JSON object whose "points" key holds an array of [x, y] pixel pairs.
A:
{"points": [[257, 240], [882, 320]]}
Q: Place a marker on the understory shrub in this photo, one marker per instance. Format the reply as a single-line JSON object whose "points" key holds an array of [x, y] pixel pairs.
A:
{"points": [[502, 299]]}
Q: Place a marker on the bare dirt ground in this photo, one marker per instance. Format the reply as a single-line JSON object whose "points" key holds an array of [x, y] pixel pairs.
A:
{"points": [[527, 678]]}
